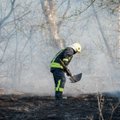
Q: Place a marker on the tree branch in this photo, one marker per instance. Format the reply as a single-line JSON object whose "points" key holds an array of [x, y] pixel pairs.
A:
{"points": [[8, 15]]}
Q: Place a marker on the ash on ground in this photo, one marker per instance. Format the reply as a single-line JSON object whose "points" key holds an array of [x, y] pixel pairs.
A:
{"points": [[84, 107]]}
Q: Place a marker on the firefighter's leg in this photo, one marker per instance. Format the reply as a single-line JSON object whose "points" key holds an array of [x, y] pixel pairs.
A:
{"points": [[59, 90], [60, 80]]}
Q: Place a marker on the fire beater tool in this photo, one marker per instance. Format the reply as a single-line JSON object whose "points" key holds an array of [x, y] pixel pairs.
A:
{"points": [[73, 78]]}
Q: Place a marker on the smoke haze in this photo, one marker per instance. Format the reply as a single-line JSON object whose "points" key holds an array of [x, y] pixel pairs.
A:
{"points": [[26, 49]]}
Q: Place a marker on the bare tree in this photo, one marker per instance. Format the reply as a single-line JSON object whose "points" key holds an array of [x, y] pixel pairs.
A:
{"points": [[110, 5], [9, 13], [49, 10], [102, 33], [100, 100]]}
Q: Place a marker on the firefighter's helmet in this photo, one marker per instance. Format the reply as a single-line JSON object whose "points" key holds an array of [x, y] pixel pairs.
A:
{"points": [[76, 47]]}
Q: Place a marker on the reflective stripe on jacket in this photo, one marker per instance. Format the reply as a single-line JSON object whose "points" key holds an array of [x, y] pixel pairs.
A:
{"points": [[65, 55]]}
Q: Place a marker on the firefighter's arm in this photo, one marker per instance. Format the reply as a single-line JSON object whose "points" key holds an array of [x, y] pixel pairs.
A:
{"points": [[65, 60], [66, 69], [67, 55]]}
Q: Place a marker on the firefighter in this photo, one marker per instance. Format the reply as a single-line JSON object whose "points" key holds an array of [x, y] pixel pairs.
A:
{"points": [[64, 55]]}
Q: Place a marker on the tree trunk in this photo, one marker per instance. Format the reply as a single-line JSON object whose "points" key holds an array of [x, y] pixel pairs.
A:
{"points": [[49, 11]]}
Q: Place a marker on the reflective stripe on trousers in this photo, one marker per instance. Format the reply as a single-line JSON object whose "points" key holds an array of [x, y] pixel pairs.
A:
{"points": [[58, 88], [59, 79]]}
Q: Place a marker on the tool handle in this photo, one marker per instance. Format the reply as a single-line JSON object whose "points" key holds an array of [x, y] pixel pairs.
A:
{"points": [[66, 69]]}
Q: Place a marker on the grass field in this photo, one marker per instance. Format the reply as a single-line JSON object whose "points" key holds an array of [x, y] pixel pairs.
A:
{"points": [[84, 107]]}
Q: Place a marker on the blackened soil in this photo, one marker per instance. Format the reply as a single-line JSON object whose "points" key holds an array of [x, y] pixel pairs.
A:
{"points": [[85, 107]]}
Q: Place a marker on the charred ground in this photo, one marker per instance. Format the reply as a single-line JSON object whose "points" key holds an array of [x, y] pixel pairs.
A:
{"points": [[85, 107]]}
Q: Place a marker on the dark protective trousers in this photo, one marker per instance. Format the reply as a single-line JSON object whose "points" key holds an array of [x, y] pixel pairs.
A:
{"points": [[59, 79]]}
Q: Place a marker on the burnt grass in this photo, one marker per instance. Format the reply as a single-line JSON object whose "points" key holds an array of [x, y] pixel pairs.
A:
{"points": [[84, 107]]}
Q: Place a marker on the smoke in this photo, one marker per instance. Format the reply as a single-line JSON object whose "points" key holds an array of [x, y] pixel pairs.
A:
{"points": [[28, 71]]}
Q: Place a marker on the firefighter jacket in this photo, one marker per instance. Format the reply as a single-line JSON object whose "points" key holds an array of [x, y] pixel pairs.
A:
{"points": [[65, 55]]}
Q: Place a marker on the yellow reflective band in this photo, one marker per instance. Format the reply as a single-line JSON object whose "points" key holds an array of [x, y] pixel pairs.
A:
{"points": [[55, 65], [61, 89], [58, 85], [65, 59], [70, 57]]}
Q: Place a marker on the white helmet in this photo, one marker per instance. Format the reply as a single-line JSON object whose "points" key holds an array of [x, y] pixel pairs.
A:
{"points": [[76, 47]]}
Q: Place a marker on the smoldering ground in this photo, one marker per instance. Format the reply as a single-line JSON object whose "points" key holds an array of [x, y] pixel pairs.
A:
{"points": [[83, 107]]}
